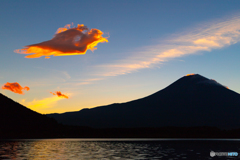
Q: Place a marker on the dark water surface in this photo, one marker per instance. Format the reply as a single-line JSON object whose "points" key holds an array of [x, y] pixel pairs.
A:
{"points": [[74, 149]]}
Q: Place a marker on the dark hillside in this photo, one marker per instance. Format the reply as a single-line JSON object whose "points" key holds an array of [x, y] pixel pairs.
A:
{"points": [[19, 121]]}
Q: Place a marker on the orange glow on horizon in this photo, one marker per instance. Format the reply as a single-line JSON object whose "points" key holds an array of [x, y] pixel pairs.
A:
{"points": [[190, 74], [59, 94], [42, 104], [67, 41], [15, 87]]}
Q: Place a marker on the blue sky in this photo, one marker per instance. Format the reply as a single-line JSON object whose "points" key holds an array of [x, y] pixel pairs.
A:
{"points": [[151, 44]]}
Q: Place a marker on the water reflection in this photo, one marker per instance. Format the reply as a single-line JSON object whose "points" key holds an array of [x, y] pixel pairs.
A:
{"points": [[77, 149]]}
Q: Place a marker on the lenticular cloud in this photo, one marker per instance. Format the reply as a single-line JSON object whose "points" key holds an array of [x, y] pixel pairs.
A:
{"points": [[59, 94], [15, 87], [66, 41]]}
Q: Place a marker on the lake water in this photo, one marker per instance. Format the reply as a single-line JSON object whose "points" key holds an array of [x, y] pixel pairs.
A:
{"points": [[74, 149]]}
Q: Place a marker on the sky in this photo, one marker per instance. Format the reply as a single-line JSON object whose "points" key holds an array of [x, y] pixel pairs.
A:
{"points": [[150, 45]]}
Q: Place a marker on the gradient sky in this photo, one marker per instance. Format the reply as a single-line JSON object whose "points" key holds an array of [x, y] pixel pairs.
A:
{"points": [[151, 45]]}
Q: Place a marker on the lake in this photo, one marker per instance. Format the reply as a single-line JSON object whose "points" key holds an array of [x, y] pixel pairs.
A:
{"points": [[73, 149]]}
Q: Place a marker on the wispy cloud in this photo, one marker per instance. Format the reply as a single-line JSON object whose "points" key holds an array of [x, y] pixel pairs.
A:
{"points": [[212, 35], [63, 73], [88, 81]]}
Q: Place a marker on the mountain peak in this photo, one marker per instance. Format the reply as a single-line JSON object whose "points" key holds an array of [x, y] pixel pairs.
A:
{"points": [[199, 79], [192, 100], [194, 76]]}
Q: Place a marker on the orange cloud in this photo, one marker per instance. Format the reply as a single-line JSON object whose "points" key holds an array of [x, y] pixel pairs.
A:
{"points": [[15, 87], [66, 41], [59, 94]]}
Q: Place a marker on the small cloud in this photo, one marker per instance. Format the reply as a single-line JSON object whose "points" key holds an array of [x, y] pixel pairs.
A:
{"points": [[59, 94], [15, 87], [67, 41]]}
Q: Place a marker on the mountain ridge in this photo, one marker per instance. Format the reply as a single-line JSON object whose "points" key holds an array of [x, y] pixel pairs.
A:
{"points": [[20, 121], [176, 105]]}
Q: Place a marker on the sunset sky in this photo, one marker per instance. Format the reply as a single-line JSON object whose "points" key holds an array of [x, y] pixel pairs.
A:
{"points": [[150, 45]]}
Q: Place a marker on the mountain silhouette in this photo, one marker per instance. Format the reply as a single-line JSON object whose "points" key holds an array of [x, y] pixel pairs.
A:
{"points": [[190, 101], [18, 121]]}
